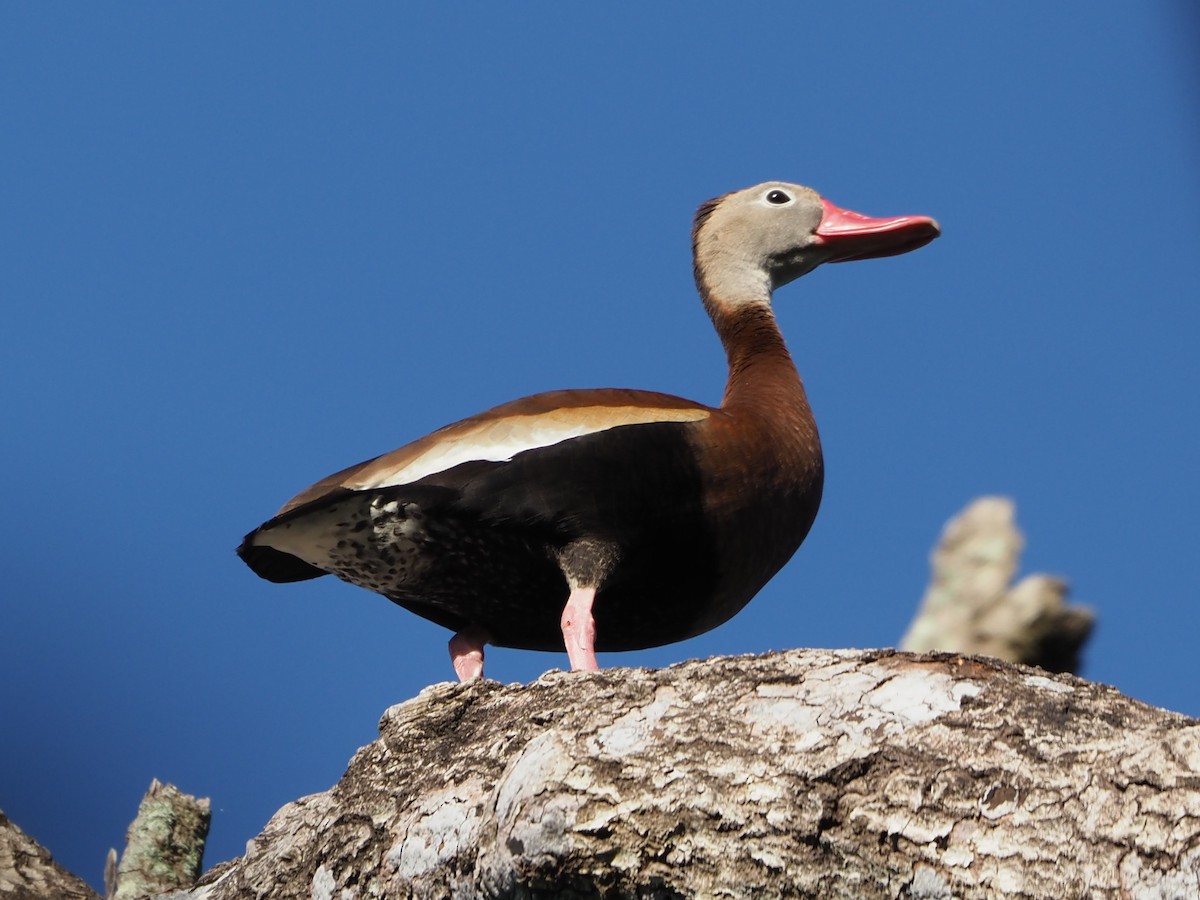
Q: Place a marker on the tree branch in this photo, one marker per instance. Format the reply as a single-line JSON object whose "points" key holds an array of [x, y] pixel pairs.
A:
{"points": [[28, 872], [803, 774]]}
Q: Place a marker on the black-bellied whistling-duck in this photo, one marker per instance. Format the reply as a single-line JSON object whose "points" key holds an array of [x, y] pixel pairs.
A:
{"points": [[603, 519]]}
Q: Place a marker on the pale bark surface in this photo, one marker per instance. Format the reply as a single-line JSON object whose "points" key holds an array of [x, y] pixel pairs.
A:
{"points": [[801, 774], [28, 872], [972, 605]]}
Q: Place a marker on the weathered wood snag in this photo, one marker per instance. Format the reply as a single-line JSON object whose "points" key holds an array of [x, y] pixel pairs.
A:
{"points": [[164, 845], [973, 607], [800, 774]]}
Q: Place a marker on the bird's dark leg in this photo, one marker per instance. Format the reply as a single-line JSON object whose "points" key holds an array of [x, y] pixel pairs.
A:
{"points": [[466, 652], [579, 629]]}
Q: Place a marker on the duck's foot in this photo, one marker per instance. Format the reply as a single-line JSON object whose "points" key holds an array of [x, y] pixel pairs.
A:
{"points": [[466, 652]]}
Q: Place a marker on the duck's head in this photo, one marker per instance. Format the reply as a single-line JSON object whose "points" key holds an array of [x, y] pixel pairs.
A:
{"points": [[752, 241]]}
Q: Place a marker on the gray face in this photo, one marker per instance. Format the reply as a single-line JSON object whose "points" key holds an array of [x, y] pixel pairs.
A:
{"points": [[760, 238]]}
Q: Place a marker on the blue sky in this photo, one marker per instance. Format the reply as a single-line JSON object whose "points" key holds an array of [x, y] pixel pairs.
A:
{"points": [[244, 246]]}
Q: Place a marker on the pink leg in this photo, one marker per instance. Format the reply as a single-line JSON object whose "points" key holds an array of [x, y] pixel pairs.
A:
{"points": [[466, 652], [579, 629]]}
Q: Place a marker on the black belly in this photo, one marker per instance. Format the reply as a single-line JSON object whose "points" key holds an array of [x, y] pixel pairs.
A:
{"points": [[507, 580]]}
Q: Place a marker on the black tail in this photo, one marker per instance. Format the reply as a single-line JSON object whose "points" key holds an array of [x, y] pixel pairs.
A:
{"points": [[275, 565]]}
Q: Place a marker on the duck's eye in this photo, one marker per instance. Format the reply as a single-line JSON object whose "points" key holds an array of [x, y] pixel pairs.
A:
{"points": [[778, 197]]}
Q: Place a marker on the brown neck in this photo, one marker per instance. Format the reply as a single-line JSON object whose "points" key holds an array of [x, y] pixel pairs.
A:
{"points": [[761, 371]]}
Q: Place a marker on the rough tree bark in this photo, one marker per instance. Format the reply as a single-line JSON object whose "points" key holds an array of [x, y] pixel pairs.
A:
{"points": [[28, 872], [972, 607], [801, 774]]}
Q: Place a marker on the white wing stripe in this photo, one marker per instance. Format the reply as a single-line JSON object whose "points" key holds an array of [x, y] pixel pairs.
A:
{"points": [[502, 439]]}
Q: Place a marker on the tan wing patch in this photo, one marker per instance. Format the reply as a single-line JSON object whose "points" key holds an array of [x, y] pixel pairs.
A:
{"points": [[499, 440]]}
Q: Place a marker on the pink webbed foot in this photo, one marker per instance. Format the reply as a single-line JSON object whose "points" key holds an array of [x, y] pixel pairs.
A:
{"points": [[579, 629], [466, 652]]}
